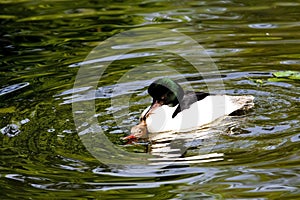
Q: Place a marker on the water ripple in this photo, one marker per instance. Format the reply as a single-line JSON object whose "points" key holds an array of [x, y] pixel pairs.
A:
{"points": [[12, 88]]}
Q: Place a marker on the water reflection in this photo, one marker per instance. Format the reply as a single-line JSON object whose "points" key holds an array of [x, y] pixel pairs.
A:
{"points": [[263, 26], [12, 88], [43, 44]]}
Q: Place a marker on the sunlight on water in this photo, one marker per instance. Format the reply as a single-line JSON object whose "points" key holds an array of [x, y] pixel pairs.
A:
{"points": [[45, 43]]}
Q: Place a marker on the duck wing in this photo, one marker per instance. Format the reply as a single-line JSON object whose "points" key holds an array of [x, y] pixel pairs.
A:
{"points": [[188, 99]]}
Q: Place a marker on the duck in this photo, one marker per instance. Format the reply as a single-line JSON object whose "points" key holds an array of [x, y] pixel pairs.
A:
{"points": [[173, 109]]}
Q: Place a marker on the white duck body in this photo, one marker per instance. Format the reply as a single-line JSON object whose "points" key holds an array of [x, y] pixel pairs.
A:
{"points": [[200, 113]]}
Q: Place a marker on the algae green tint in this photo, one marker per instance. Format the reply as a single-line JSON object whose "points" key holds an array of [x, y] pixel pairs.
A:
{"points": [[42, 47]]}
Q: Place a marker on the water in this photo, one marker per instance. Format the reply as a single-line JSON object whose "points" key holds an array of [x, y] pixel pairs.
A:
{"points": [[43, 46]]}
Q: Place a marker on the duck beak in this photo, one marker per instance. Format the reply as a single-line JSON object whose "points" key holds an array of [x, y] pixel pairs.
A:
{"points": [[155, 104], [130, 137], [137, 132]]}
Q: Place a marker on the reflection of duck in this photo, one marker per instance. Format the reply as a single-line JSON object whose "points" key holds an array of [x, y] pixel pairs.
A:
{"points": [[173, 109]]}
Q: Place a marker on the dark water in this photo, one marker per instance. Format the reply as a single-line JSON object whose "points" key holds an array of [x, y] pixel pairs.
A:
{"points": [[45, 43]]}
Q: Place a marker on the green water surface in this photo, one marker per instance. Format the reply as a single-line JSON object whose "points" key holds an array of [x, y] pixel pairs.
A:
{"points": [[45, 43]]}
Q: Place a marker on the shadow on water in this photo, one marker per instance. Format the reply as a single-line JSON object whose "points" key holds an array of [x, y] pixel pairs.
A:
{"points": [[45, 43]]}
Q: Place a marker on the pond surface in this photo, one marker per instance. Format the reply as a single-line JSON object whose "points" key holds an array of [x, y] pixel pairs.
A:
{"points": [[45, 44]]}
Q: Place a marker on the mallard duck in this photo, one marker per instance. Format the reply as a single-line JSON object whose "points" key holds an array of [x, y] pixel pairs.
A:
{"points": [[172, 109]]}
